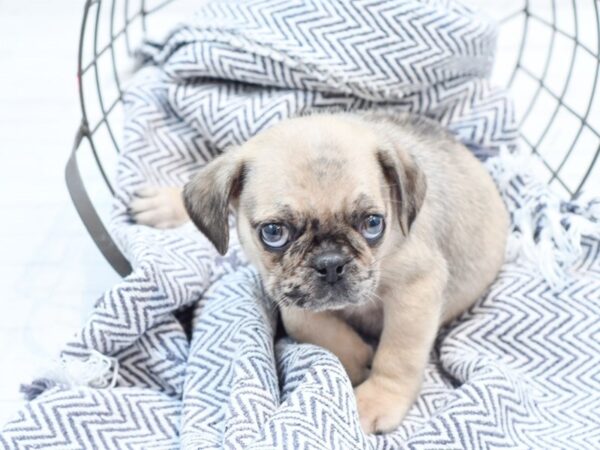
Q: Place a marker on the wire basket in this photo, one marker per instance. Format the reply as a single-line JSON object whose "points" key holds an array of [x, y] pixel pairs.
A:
{"points": [[548, 56]]}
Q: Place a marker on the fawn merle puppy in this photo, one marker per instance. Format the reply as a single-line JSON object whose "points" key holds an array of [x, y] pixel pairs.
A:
{"points": [[365, 225]]}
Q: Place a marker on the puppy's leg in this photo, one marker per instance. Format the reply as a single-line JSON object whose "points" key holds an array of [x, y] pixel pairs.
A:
{"points": [[411, 322], [159, 207], [327, 330]]}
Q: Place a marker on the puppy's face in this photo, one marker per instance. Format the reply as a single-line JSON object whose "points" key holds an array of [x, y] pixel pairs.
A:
{"points": [[318, 201], [316, 231]]}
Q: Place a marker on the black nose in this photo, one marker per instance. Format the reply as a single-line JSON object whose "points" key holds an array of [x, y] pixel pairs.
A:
{"points": [[330, 265]]}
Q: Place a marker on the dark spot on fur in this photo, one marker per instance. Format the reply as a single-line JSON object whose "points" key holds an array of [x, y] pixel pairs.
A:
{"points": [[300, 230], [276, 257], [295, 249], [315, 225], [298, 296], [355, 242]]}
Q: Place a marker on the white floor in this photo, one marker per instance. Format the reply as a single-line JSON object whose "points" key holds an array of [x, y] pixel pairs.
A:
{"points": [[49, 268], [50, 271]]}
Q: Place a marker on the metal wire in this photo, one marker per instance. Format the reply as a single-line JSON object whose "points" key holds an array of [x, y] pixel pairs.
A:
{"points": [[135, 13], [528, 14]]}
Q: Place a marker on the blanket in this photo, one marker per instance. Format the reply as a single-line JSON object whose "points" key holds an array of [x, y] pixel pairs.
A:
{"points": [[520, 369]]}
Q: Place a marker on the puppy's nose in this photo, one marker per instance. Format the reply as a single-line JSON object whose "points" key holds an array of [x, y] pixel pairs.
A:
{"points": [[330, 265]]}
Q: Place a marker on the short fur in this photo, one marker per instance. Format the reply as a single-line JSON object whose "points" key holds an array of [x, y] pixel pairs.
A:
{"points": [[443, 244]]}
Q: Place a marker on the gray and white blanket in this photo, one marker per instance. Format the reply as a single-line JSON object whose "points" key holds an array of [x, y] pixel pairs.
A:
{"points": [[520, 369]]}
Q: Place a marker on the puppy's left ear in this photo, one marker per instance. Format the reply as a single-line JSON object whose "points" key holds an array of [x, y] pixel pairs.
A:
{"points": [[407, 182], [208, 194]]}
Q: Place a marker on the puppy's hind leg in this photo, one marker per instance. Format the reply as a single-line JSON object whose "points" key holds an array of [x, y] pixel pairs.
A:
{"points": [[159, 207], [327, 330]]}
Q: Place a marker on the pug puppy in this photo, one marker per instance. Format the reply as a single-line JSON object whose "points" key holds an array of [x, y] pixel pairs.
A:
{"points": [[363, 226]]}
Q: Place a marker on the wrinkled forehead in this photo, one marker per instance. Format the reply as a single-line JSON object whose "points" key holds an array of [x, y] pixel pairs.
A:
{"points": [[318, 165], [303, 207], [313, 187]]}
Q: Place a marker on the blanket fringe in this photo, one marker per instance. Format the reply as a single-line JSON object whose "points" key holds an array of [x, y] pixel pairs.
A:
{"points": [[96, 371], [545, 230]]}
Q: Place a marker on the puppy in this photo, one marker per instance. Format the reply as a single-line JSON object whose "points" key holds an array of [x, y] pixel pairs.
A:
{"points": [[363, 226]]}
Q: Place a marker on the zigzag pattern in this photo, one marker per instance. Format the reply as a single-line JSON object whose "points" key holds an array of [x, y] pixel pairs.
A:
{"points": [[157, 359], [93, 418], [521, 369]]}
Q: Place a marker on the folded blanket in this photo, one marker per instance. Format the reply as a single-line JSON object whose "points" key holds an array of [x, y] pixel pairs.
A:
{"points": [[520, 369]]}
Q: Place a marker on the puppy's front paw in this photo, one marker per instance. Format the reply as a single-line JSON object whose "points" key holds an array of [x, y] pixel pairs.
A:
{"points": [[159, 207], [380, 409], [357, 363]]}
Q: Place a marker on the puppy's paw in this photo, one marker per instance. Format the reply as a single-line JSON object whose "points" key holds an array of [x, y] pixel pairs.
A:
{"points": [[357, 363], [159, 207], [380, 409]]}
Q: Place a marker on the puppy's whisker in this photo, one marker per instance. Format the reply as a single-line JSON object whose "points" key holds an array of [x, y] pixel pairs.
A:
{"points": [[277, 303], [373, 297], [375, 294]]}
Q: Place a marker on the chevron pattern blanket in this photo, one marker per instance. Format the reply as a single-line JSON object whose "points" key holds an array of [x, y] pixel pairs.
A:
{"points": [[520, 369]]}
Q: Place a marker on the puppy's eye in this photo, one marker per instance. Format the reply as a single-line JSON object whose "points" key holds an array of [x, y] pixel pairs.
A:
{"points": [[274, 235], [372, 227]]}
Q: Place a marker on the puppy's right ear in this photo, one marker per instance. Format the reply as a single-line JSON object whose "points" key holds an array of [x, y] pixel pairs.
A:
{"points": [[208, 194]]}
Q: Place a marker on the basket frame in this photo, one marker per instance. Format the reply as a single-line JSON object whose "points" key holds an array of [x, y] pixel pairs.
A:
{"points": [[85, 132]]}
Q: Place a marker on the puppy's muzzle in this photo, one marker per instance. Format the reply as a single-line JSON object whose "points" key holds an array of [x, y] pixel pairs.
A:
{"points": [[330, 265]]}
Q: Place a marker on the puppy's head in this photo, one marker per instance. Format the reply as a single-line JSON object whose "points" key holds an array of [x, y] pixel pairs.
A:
{"points": [[320, 202]]}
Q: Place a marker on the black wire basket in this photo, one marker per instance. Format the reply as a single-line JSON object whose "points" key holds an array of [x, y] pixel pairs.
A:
{"points": [[549, 57]]}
